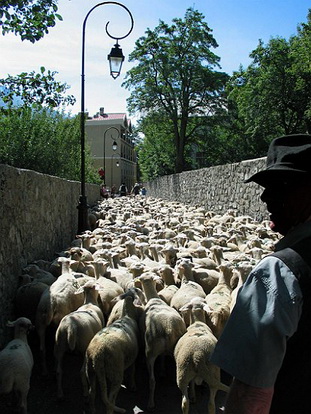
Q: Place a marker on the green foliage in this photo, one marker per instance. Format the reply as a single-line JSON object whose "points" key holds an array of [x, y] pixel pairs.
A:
{"points": [[35, 89], [175, 75], [45, 141], [29, 19], [273, 95], [155, 151]]}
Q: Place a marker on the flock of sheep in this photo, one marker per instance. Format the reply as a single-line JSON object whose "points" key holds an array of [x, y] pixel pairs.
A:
{"points": [[150, 278]]}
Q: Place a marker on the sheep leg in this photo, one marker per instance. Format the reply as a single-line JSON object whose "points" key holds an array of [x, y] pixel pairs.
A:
{"points": [[21, 400], [84, 380], [150, 365], [111, 408], [41, 334], [185, 400], [131, 378], [192, 395], [211, 401], [92, 394], [212, 378], [59, 376]]}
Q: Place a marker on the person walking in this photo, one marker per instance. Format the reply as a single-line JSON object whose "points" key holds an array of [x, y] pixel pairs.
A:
{"points": [[135, 189], [123, 190], [266, 343]]}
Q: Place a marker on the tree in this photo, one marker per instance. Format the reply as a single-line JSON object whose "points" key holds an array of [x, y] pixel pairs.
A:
{"points": [[43, 140], [156, 150], [175, 75], [273, 95], [35, 89], [30, 19]]}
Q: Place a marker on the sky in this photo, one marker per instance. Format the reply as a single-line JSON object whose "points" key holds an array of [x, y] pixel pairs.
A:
{"points": [[237, 27]]}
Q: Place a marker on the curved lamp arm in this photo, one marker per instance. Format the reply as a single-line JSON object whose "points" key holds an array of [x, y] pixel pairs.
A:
{"points": [[83, 207]]}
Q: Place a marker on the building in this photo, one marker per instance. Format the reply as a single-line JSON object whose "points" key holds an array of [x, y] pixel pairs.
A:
{"points": [[110, 139]]}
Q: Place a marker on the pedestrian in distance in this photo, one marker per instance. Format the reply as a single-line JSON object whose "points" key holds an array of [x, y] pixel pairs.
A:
{"points": [[104, 191], [101, 173], [135, 189], [123, 190], [113, 191], [266, 343]]}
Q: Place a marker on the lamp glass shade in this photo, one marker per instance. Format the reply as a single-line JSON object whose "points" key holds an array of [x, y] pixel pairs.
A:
{"points": [[116, 59], [114, 146]]}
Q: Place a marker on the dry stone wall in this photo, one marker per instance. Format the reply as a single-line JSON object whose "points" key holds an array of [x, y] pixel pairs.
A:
{"points": [[217, 188], [38, 217]]}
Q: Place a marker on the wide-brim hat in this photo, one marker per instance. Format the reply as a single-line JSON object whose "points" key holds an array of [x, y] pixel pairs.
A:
{"points": [[289, 157]]}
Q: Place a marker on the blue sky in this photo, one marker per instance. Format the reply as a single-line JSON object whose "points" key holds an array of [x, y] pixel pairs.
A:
{"points": [[237, 26]]}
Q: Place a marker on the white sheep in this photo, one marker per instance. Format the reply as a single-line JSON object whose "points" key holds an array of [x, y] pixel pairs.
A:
{"points": [[139, 300], [163, 326], [112, 350], [56, 302], [16, 363], [192, 355], [109, 288], [218, 301], [76, 329]]}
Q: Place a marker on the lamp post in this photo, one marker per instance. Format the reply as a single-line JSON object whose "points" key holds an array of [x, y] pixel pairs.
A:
{"points": [[114, 146], [116, 59], [117, 164]]}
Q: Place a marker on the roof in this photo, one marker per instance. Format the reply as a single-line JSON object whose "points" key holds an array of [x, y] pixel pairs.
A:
{"points": [[112, 118], [108, 116]]}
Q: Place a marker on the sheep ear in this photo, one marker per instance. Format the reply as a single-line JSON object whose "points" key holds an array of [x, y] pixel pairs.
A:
{"points": [[79, 291], [10, 324], [186, 307], [207, 309]]}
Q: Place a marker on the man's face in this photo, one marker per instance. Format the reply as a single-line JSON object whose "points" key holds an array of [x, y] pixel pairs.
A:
{"points": [[288, 202]]}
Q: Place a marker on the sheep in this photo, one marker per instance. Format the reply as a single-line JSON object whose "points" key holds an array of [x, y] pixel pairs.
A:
{"points": [[109, 288], [16, 363], [40, 274], [242, 271], [218, 301], [28, 296], [111, 351], [185, 293], [76, 329], [167, 275], [56, 302], [192, 353], [139, 300], [163, 326], [206, 278]]}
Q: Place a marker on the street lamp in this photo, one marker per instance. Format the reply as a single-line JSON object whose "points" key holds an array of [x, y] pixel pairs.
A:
{"points": [[114, 146], [117, 165], [116, 59]]}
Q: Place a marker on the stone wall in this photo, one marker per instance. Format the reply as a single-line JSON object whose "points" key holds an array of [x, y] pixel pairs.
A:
{"points": [[38, 217], [217, 188], [38, 213]]}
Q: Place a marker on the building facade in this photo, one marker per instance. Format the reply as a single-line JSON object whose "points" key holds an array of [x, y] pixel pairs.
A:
{"points": [[110, 139]]}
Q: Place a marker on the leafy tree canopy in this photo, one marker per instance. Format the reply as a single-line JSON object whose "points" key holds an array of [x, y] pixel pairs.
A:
{"points": [[273, 95], [43, 140], [29, 19], [35, 89], [175, 75], [156, 150]]}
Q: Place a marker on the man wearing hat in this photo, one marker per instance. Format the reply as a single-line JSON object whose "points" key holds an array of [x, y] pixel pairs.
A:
{"points": [[266, 343]]}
